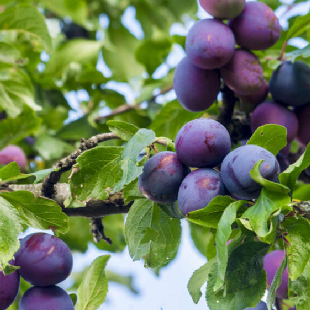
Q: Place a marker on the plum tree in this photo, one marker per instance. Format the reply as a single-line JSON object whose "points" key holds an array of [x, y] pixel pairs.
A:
{"points": [[272, 262], [202, 143], [47, 298], [257, 27], [13, 153], [303, 115], [196, 88], [44, 259], [243, 73], [272, 113], [161, 177], [9, 286], [290, 84], [253, 100], [210, 44], [220, 9], [261, 306], [198, 189], [236, 167]]}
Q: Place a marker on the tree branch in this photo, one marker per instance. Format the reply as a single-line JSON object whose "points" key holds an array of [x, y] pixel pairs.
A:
{"points": [[66, 164]]}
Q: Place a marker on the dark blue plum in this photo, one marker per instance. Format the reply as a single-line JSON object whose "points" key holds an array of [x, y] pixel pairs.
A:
{"points": [[198, 189], [261, 306], [9, 286], [161, 177], [196, 88], [236, 167], [44, 259], [202, 143], [46, 298], [290, 84]]}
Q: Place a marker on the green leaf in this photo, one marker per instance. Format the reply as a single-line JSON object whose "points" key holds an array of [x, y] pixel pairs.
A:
{"points": [[38, 212], [12, 172], [152, 53], [122, 129], [14, 129], [76, 9], [267, 203], [128, 159], [269, 185], [172, 210], [210, 215], [276, 282], [270, 137], [204, 240], [301, 52], [300, 25], [299, 249], [132, 192], [26, 19], [151, 234], [222, 236], [77, 51], [291, 174], [41, 174], [10, 227], [239, 300], [198, 279], [94, 286], [9, 54], [98, 171], [171, 118]]}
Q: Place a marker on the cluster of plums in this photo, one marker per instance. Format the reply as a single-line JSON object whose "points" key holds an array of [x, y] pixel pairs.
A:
{"points": [[211, 53], [44, 260], [205, 144]]}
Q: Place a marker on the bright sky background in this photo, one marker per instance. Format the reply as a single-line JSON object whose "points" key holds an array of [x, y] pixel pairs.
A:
{"points": [[169, 291]]}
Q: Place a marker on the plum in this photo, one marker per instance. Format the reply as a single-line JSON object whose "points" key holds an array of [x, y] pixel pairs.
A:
{"points": [[44, 259], [196, 88], [272, 113], [198, 189], [210, 44], [202, 143], [257, 27], [260, 306], [303, 115], [47, 298], [272, 262], [243, 73], [223, 9], [9, 286], [161, 177], [236, 167], [290, 84], [256, 98], [13, 153], [283, 161]]}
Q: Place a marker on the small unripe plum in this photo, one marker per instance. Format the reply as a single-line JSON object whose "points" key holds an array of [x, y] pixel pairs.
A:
{"points": [[272, 113], [196, 88], [198, 189], [46, 298], [243, 73], [303, 115], [272, 262], [220, 9], [290, 84], [9, 286], [161, 177], [210, 44], [236, 167], [261, 306], [13, 153], [44, 259], [202, 143], [257, 27], [257, 98]]}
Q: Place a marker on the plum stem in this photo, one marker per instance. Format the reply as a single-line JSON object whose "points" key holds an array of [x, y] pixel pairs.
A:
{"points": [[283, 50]]}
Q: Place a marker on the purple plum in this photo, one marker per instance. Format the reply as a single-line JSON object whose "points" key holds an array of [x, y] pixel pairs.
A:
{"points": [[210, 44], [196, 88], [303, 115], [223, 9]]}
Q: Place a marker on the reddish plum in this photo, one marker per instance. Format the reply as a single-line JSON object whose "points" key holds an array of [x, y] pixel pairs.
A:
{"points": [[13, 153]]}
